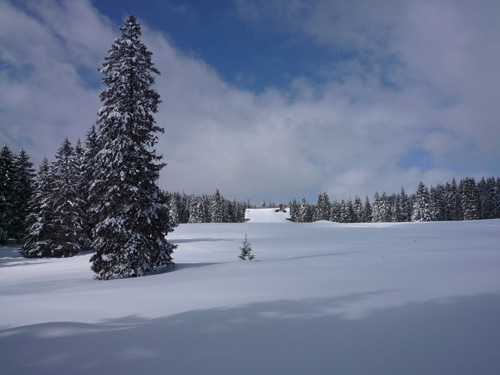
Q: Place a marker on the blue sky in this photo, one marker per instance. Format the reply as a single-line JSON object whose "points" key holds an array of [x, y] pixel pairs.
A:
{"points": [[272, 99]]}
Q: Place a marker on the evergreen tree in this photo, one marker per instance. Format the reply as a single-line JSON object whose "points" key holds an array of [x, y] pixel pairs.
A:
{"points": [[81, 183], [217, 208], [358, 210], [67, 228], [6, 192], [379, 209], [437, 197], [246, 250], [173, 205], [367, 211], [405, 208], [346, 211], [196, 212], [496, 194], [395, 208], [304, 214], [294, 211], [89, 152], [323, 207], [487, 193], [471, 203], [454, 202], [422, 206], [184, 208], [24, 175], [129, 210], [38, 242], [385, 207], [335, 212]]}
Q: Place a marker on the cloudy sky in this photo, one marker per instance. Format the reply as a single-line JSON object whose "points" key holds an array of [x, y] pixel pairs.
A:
{"points": [[272, 99]]}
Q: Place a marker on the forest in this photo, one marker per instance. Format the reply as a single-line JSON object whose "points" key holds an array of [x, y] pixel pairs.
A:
{"points": [[24, 193]]}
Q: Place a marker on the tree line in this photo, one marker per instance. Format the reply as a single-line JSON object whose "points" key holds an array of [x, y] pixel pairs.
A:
{"points": [[39, 207], [466, 200]]}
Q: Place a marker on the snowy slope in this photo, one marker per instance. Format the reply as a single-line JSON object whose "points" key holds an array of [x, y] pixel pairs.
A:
{"points": [[320, 298], [267, 215]]}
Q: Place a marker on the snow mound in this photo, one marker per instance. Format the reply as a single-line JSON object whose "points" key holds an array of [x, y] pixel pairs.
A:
{"points": [[267, 215]]}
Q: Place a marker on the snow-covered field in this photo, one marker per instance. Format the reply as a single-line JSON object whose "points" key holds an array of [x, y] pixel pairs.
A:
{"points": [[320, 298]]}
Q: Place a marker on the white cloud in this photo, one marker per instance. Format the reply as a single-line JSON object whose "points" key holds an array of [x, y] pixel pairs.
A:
{"points": [[344, 136], [429, 71], [46, 51]]}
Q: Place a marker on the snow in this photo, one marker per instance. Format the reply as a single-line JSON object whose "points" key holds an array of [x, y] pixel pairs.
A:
{"points": [[267, 215], [320, 298]]}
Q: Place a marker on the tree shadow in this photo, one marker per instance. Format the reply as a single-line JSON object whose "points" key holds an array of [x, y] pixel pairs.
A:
{"points": [[461, 336], [198, 240], [181, 266]]}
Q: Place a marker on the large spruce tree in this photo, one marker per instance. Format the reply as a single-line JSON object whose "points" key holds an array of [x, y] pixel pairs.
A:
{"points": [[129, 211]]}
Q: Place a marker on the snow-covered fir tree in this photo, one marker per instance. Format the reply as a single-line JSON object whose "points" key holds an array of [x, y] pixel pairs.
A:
{"points": [[246, 250], [437, 197], [335, 212], [323, 207], [173, 205], [294, 210], [379, 208], [23, 181], [367, 211], [217, 214], [68, 225], [81, 185], [184, 208], [471, 202], [358, 210], [129, 210], [496, 198], [405, 208], [486, 189], [454, 202], [395, 207], [229, 210], [38, 242], [346, 211], [89, 152], [304, 215], [422, 207], [196, 212], [6, 191]]}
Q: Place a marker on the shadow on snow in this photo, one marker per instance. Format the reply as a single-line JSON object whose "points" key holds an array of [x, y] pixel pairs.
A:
{"points": [[459, 336]]}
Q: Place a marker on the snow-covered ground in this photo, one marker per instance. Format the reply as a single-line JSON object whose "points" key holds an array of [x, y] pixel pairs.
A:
{"points": [[320, 298], [267, 215]]}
